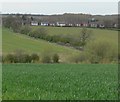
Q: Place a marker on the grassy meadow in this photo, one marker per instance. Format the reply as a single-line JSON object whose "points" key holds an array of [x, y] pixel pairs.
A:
{"points": [[59, 82], [13, 41], [97, 34]]}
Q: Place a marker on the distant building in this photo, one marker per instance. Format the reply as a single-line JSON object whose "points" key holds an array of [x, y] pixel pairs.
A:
{"points": [[61, 24], [85, 24], [93, 24], [34, 23], [52, 24], [44, 24], [101, 26], [26, 22], [70, 24], [78, 24], [115, 25]]}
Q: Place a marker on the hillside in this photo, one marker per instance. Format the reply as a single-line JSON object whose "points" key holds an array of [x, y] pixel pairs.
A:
{"points": [[13, 41], [97, 34]]}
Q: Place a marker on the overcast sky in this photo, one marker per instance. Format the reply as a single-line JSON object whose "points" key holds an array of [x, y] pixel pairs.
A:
{"points": [[101, 8]]}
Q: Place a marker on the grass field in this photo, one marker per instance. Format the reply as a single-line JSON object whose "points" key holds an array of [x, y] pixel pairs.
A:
{"points": [[32, 45], [98, 34], [12, 41], [59, 81]]}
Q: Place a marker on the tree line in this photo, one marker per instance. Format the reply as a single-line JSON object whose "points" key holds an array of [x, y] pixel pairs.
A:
{"points": [[107, 20]]}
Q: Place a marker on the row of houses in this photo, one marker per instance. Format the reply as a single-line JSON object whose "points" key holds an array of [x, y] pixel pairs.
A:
{"points": [[63, 24]]}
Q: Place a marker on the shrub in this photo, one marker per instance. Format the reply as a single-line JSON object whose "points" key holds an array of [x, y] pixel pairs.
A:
{"points": [[55, 38], [98, 51], [38, 33], [9, 58], [21, 57], [46, 59], [75, 42], [79, 58], [0, 59], [55, 58], [119, 58], [18, 56], [49, 38], [25, 30], [26, 58], [34, 57], [3, 59]]}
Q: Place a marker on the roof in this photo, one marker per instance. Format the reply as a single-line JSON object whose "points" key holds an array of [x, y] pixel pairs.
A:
{"points": [[45, 22], [34, 22]]}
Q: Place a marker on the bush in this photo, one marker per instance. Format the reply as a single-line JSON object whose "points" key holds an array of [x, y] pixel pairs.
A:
{"points": [[34, 57], [98, 51], [0, 59], [49, 38], [55, 58], [75, 42], [55, 38], [38, 33], [17, 57], [46, 59], [13, 58], [26, 58], [119, 58], [22, 58], [9, 58], [25, 30], [79, 58]]}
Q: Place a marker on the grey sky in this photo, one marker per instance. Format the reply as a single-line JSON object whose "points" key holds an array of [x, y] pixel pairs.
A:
{"points": [[61, 7]]}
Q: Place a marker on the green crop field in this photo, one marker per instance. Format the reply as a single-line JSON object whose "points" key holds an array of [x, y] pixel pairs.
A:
{"points": [[60, 81]]}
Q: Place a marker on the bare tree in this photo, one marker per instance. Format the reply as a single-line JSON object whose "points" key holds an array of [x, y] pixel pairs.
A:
{"points": [[85, 36]]}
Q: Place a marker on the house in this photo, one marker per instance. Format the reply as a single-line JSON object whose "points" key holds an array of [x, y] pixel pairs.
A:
{"points": [[52, 24], [85, 25], [26, 22], [44, 24], [61, 24], [115, 25], [101, 26], [93, 24], [78, 24], [34, 23], [70, 24]]}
